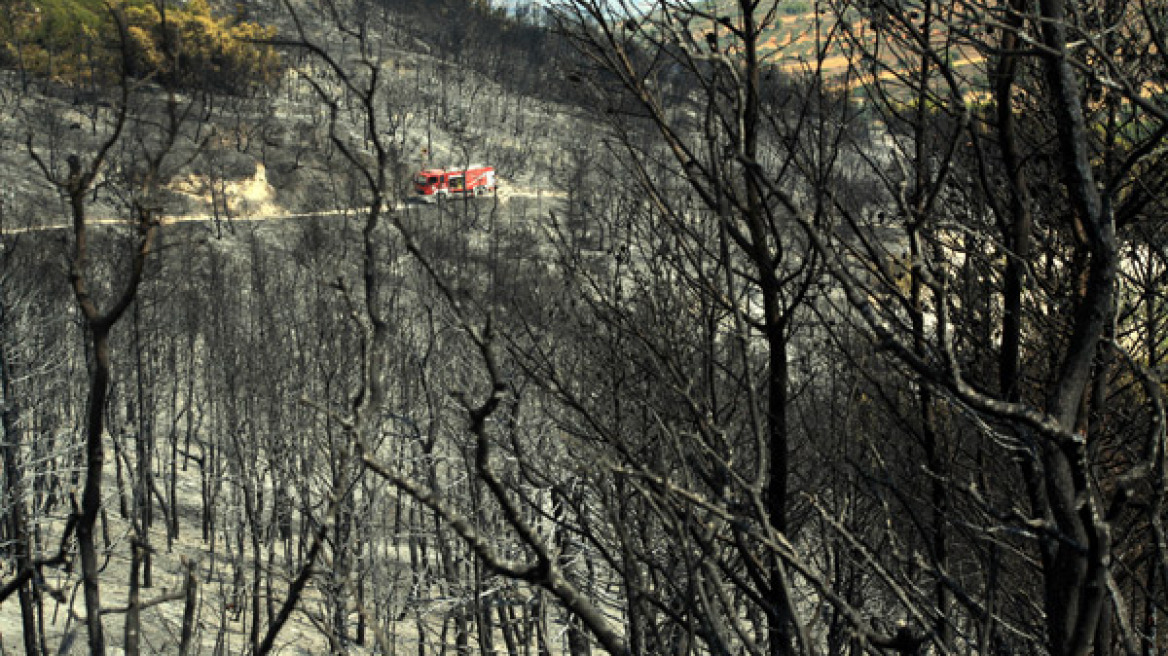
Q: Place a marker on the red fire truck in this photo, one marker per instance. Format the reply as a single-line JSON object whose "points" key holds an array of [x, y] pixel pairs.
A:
{"points": [[440, 184]]}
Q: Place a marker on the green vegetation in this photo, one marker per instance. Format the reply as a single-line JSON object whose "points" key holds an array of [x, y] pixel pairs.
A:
{"points": [[795, 7], [76, 41]]}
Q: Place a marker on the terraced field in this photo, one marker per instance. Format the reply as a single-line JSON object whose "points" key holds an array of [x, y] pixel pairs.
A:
{"points": [[799, 39]]}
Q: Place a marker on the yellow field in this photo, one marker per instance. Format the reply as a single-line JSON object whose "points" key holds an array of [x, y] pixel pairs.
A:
{"points": [[794, 50]]}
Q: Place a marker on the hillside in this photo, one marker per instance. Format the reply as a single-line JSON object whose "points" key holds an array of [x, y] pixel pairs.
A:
{"points": [[770, 342], [799, 40], [239, 162], [269, 154]]}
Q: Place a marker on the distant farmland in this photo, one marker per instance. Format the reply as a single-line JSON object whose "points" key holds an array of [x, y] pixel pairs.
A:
{"points": [[798, 40]]}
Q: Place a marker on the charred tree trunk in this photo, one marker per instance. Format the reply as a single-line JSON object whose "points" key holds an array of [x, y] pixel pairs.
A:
{"points": [[91, 493], [17, 524], [1076, 581]]}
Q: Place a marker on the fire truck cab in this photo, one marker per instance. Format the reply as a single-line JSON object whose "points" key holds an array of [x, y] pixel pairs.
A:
{"points": [[440, 184]]}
